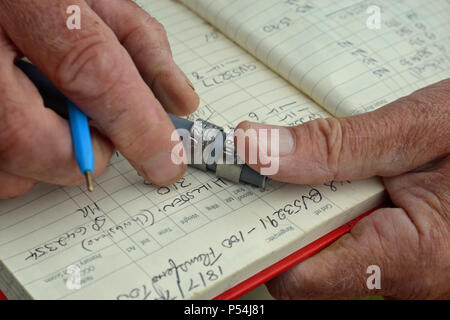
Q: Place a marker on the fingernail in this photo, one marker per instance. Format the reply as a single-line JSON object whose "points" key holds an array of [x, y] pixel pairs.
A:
{"points": [[286, 140], [162, 170]]}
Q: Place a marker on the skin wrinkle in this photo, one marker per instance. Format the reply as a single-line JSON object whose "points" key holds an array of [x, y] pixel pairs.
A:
{"points": [[378, 234], [387, 154], [356, 261], [414, 220], [45, 40], [151, 52], [388, 146], [333, 133], [412, 136], [424, 242], [378, 237], [130, 35], [141, 31], [426, 196], [118, 115], [417, 236], [322, 171], [27, 17], [72, 69], [388, 252], [158, 75], [317, 133], [425, 250], [430, 245], [349, 144], [372, 250], [128, 143], [433, 119], [428, 184]]}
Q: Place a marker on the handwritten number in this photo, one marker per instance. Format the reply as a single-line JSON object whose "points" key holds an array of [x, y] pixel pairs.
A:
{"points": [[192, 286]]}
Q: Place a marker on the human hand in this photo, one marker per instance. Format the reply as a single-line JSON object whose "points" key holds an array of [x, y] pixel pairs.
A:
{"points": [[407, 143], [107, 69]]}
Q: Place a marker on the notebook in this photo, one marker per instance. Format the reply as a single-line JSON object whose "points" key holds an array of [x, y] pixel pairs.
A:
{"points": [[282, 62]]}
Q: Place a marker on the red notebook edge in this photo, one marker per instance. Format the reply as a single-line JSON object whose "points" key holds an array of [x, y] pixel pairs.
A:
{"points": [[284, 264], [290, 261]]}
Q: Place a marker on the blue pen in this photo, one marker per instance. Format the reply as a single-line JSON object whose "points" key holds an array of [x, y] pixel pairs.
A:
{"points": [[82, 143]]}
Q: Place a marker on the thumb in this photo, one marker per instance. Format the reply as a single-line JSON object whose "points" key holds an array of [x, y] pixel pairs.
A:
{"points": [[359, 263], [385, 142]]}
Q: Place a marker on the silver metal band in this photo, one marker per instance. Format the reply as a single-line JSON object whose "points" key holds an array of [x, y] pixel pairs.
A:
{"points": [[207, 136]]}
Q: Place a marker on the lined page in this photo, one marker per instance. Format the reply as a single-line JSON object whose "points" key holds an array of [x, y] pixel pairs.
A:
{"points": [[333, 50], [194, 239]]}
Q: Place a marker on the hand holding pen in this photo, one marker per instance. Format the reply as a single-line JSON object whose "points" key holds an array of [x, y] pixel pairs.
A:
{"points": [[222, 162], [110, 69]]}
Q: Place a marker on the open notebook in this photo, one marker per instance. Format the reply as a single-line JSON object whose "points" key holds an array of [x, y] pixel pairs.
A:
{"points": [[283, 62]]}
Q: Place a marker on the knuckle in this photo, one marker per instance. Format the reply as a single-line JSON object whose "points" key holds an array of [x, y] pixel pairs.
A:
{"points": [[154, 24], [91, 67], [162, 75], [145, 27], [327, 136], [152, 37]]}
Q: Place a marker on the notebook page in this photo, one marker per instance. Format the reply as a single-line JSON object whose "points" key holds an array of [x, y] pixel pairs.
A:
{"points": [[326, 48], [196, 238]]}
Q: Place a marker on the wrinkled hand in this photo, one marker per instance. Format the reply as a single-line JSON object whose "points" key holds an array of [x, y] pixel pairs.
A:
{"points": [[407, 143], [107, 68]]}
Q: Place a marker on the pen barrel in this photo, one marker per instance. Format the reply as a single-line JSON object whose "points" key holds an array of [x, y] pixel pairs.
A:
{"points": [[81, 138]]}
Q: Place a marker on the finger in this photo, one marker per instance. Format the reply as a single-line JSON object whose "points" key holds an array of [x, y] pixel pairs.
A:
{"points": [[12, 186], [410, 246], [389, 141], [91, 67], [425, 191], [146, 41], [386, 241], [35, 142]]}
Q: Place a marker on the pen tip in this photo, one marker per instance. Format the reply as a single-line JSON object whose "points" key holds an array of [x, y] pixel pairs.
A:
{"points": [[89, 184]]}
